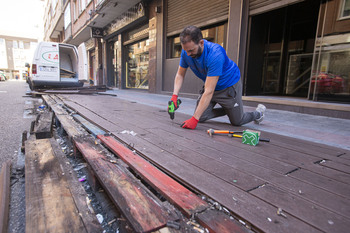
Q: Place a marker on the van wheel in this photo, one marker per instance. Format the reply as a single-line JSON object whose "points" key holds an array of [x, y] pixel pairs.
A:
{"points": [[31, 86]]}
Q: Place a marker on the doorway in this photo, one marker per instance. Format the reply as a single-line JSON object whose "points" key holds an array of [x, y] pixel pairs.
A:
{"points": [[280, 50]]}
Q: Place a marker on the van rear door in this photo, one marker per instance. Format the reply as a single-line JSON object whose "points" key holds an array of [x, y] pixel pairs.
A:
{"points": [[48, 63], [83, 67]]}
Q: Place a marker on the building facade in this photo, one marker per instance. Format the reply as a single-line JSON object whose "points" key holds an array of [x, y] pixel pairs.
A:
{"points": [[297, 48], [15, 53]]}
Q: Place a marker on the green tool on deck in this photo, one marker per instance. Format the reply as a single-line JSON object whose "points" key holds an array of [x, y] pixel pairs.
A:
{"points": [[172, 108]]}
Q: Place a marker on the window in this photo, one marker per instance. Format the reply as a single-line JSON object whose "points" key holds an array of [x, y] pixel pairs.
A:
{"points": [[15, 44], [67, 17], [213, 34], [345, 10], [137, 65]]}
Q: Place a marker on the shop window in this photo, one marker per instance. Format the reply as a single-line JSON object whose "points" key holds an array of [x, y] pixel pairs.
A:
{"points": [[213, 34], [137, 65], [345, 10]]}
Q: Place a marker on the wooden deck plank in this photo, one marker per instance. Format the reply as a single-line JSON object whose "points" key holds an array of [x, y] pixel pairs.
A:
{"points": [[70, 126], [320, 218], [323, 182], [132, 123], [93, 129], [286, 156], [5, 189], [49, 203], [150, 124], [238, 201], [218, 222], [144, 212], [78, 192], [183, 198], [336, 166], [54, 105]]}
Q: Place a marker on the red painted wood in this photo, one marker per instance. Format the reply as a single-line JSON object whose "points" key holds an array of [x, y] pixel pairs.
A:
{"points": [[139, 206], [177, 194]]}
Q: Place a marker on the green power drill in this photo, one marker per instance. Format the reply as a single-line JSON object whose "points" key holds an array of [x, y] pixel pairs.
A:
{"points": [[172, 108]]}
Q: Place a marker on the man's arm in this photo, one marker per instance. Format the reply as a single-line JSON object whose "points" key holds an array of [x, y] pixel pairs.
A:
{"points": [[209, 88], [179, 79]]}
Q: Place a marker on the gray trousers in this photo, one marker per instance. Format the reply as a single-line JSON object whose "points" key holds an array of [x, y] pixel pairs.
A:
{"points": [[230, 100]]}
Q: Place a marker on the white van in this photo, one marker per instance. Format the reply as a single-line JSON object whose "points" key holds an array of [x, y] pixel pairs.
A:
{"points": [[58, 65]]}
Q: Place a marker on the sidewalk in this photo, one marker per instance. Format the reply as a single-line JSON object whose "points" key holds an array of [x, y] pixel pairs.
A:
{"points": [[325, 130]]}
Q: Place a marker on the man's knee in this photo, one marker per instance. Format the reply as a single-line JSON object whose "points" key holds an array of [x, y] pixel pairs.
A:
{"points": [[235, 122]]}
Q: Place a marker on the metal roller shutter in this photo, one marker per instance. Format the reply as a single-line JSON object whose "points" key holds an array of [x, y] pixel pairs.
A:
{"points": [[195, 12], [261, 6]]}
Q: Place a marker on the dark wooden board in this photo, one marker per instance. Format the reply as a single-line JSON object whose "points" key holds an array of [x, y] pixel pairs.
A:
{"points": [[320, 218], [218, 222], [49, 202], [331, 185], [183, 153], [336, 166], [242, 204], [142, 209]]}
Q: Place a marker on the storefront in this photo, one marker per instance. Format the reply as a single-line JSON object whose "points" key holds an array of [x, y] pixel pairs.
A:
{"points": [[286, 59], [127, 50], [330, 79]]}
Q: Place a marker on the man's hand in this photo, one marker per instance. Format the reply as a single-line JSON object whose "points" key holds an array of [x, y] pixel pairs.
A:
{"points": [[190, 123], [173, 104], [174, 99]]}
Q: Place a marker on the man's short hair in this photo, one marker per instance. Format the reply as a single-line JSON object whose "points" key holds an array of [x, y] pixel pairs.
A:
{"points": [[191, 33]]}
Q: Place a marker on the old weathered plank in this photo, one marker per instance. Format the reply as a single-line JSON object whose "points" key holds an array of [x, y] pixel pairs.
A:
{"points": [[177, 194], [142, 209], [93, 129], [49, 203], [43, 127], [5, 195], [70, 126], [78, 193]]}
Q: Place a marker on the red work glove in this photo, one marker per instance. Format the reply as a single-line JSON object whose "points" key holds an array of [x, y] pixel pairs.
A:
{"points": [[174, 99], [190, 123]]}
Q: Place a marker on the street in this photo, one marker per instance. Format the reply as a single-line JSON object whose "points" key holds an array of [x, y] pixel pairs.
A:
{"points": [[14, 120]]}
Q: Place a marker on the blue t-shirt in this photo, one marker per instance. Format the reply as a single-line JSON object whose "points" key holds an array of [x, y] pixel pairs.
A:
{"points": [[213, 62]]}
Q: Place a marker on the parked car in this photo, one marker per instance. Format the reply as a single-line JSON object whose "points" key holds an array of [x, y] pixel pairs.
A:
{"points": [[58, 65], [328, 83], [2, 76]]}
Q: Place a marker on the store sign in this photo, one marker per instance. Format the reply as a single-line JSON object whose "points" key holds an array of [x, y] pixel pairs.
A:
{"points": [[96, 32], [131, 15]]}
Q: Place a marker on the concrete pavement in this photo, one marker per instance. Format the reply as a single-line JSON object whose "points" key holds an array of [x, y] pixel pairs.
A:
{"points": [[325, 130]]}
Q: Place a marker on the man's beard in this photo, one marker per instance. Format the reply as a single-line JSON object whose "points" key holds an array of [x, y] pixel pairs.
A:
{"points": [[199, 53]]}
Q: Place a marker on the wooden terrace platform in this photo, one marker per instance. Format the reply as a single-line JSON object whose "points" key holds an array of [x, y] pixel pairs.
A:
{"points": [[285, 185]]}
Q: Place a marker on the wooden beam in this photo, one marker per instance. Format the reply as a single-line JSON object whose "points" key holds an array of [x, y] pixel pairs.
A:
{"points": [[49, 203], [139, 206], [43, 127], [78, 193], [188, 202], [4, 195]]}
